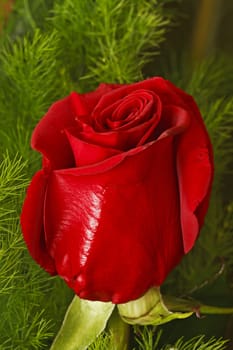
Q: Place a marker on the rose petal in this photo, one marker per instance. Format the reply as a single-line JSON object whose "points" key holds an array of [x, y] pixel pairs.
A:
{"points": [[134, 109], [90, 99], [87, 153], [167, 92], [115, 234], [32, 222], [126, 138], [174, 120], [122, 140], [49, 137], [195, 175]]}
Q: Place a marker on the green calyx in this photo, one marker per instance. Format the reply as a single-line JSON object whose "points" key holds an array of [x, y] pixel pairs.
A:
{"points": [[149, 310]]}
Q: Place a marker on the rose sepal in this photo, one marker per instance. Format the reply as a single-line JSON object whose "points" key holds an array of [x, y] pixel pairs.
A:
{"points": [[83, 322], [149, 310]]}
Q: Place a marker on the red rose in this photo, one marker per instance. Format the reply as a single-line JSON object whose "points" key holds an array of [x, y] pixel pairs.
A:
{"points": [[124, 189]]}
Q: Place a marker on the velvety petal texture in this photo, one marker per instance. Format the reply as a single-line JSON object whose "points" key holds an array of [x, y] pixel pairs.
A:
{"points": [[124, 189]]}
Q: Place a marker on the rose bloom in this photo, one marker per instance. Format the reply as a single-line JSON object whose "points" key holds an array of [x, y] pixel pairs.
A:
{"points": [[124, 188]]}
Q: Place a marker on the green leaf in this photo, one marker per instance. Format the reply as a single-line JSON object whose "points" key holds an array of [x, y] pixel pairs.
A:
{"points": [[83, 322]]}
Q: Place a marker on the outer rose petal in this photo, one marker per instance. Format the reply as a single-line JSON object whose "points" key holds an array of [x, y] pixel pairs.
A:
{"points": [[102, 253], [49, 137], [195, 174], [32, 222]]}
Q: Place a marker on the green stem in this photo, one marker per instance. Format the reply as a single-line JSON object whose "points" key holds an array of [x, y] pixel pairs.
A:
{"points": [[119, 331], [207, 309], [177, 304]]}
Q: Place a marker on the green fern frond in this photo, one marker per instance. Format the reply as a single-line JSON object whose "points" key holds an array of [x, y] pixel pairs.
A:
{"points": [[112, 41], [103, 342], [29, 84], [147, 338], [29, 67], [218, 117], [12, 177], [25, 332], [211, 79], [198, 343]]}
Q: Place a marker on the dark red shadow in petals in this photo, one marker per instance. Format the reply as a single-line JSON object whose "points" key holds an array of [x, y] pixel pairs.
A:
{"points": [[149, 134], [100, 122], [132, 110], [195, 176], [32, 222], [174, 120], [121, 140], [167, 92], [136, 133], [49, 137], [88, 153], [102, 249]]}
